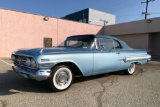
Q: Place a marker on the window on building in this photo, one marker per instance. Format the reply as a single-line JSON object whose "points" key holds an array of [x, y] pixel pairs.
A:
{"points": [[82, 20], [47, 42]]}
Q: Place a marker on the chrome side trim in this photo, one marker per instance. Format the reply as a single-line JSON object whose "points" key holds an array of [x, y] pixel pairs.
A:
{"points": [[41, 52], [136, 58]]}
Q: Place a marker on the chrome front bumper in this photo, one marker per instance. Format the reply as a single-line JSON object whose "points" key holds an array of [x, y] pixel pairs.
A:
{"points": [[38, 75]]}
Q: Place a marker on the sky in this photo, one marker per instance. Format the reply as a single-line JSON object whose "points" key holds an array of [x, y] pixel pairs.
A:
{"points": [[125, 10]]}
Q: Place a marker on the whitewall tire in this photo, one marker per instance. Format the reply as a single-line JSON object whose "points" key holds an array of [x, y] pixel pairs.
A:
{"points": [[61, 78], [131, 69]]}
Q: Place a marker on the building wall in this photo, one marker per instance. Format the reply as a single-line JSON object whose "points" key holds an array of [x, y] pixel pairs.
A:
{"points": [[137, 41], [135, 27], [23, 30], [66, 28], [143, 34], [92, 16], [97, 17]]}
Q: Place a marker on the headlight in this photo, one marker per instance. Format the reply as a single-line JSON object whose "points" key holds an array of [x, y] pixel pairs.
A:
{"points": [[18, 60], [33, 63], [28, 62], [13, 57]]}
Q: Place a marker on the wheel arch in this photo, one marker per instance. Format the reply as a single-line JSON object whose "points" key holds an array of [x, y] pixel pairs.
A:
{"points": [[136, 62], [74, 68]]}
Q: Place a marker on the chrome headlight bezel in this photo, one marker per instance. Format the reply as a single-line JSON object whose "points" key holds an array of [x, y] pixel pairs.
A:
{"points": [[18, 59], [13, 58], [33, 63], [28, 62]]}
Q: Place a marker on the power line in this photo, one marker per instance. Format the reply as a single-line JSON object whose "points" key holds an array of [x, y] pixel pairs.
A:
{"points": [[139, 17], [115, 4], [129, 15], [123, 5], [154, 13], [146, 13]]}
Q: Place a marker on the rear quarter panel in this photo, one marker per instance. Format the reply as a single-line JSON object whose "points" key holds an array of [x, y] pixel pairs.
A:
{"points": [[131, 54]]}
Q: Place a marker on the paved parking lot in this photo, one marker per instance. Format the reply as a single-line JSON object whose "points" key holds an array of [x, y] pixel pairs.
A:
{"points": [[110, 90]]}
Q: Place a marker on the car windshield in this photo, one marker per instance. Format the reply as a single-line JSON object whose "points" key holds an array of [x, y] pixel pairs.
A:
{"points": [[78, 42]]}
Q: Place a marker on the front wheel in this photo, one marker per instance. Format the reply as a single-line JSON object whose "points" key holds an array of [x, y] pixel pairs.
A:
{"points": [[61, 78], [131, 69]]}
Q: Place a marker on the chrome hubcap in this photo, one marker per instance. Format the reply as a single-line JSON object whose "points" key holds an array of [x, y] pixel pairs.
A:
{"points": [[62, 78]]}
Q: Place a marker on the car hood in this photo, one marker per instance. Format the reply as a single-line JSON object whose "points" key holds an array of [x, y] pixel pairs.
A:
{"points": [[54, 50]]}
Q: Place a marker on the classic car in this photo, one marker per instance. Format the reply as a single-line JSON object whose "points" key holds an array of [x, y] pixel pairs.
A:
{"points": [[84, 55]]}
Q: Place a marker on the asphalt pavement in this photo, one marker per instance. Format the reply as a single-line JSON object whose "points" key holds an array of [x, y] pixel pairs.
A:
{"points": [[109, 90]]}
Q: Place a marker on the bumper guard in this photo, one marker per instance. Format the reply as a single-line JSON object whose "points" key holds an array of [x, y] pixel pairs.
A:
{"points": [[38, 75]]}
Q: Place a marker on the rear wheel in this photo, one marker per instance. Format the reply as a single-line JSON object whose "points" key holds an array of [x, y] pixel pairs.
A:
{"points": [[131, 69], [61, 78]]}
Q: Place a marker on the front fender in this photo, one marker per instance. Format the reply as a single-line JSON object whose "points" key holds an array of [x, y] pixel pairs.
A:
{"points": [[83, 61]]}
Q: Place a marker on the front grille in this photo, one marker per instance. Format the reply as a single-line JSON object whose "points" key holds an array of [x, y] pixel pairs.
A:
{"points": [[25, 61], [21, 60]]}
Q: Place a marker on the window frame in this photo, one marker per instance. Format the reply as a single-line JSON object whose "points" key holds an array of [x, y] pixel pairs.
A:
{"points": [[118, 43], [113, 41]]}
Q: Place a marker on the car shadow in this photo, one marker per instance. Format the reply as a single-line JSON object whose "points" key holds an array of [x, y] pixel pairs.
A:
{"points": [[13, 83], [82, 79]]}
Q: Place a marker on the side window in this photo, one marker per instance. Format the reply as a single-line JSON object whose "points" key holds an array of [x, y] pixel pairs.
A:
{"points": [[117, 45], [73, 43], [105, 43]]}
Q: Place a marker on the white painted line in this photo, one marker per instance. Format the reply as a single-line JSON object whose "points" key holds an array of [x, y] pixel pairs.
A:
{"points": [[6, 62]]}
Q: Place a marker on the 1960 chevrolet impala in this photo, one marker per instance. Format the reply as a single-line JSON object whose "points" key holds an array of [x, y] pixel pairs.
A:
{"points": [[84, 55]]}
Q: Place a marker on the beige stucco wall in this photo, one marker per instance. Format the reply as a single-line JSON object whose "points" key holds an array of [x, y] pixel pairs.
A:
{"points": [[23, 30], [137, 41], [66, 28]]}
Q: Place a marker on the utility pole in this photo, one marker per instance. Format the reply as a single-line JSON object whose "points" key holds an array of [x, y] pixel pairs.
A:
{"points": [[104, 21], [146, 13]]}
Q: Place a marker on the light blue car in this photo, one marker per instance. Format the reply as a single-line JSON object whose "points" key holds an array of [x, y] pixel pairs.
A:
{"points": [[84, 55]]}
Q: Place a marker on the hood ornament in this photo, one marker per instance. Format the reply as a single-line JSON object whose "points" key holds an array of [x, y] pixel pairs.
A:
{"points": [[41, 52]]}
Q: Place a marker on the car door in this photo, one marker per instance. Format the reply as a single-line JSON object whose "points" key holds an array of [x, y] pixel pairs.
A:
{"points": [[106, 59]]}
